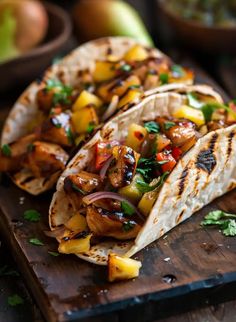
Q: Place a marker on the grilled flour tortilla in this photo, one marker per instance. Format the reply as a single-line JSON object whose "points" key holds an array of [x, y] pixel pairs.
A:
{"points": [[197, 168], [75, 97]]}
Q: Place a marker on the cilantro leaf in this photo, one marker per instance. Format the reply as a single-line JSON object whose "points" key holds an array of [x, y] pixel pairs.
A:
{"points": [[62, 92], [145, 187], [193, 100], [164, 78], [90, 128], [126, 68], [225, 221], [177, 70], [70, 135], [148, 166], [168, 125], [230, 228], [15, 300], [152, 127], [36, 242], [6, 150], [55, 254], [128, 225], [127, 208], [32, 215]]}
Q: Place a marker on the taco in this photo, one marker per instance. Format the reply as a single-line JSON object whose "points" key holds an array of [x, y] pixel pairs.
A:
{"points": [[76, 96], [144, 172]]}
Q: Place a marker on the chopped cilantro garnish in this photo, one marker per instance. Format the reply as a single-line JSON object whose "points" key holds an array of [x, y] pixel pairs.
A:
{"points": [[168, 125], [6, 150], [70, 135], [152, 127], [147, 167], [15, 300], [127, 209], [177, 70], [164, 78], [126, 68], [128, 225], [90, 128], [36, 242], [225, 221], [145, 187], [193, 100], [32, 215], [62, 92]]}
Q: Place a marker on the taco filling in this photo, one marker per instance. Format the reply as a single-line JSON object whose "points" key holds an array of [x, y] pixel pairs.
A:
{"points": [[68, 116], [113, 195]]}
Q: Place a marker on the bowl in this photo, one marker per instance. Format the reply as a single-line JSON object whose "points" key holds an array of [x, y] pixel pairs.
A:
{"points": [[209, 39], [25, 68]]}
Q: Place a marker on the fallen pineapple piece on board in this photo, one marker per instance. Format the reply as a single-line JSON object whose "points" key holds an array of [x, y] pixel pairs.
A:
{"points": [[122, 268]]}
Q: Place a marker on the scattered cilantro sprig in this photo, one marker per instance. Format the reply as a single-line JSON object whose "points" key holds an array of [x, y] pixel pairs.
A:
{"points": [[6, 150], [152, 127], [127, 209], [164, 78], [62, 92], [36, 242], [225, 221], [32, 215], [177, 70], [147, 166], [15, 300], [168, 125]]}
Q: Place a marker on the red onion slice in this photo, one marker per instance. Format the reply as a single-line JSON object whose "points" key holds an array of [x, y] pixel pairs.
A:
{"points": [[111, 108], [105, 167], [110, 195], [56, 233]]}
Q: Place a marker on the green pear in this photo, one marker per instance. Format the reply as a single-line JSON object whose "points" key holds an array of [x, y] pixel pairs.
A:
{"points": [[100, 18]]}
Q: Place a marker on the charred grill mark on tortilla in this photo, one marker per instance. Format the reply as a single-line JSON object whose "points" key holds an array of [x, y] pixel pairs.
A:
{"points": [[230, 138], [182, 181], [206, 160], [107, 134], [179, 217]]}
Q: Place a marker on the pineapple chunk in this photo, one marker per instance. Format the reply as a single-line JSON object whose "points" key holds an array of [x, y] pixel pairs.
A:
{"points": [[75, 246], [148, 199], [122, 268], [191, 114], [104, 71], [107, 91], [131, 191], [83, 118], [162, 142], [85, 99], [136, 53], [76, 223], [136, 136], [131, 97]]}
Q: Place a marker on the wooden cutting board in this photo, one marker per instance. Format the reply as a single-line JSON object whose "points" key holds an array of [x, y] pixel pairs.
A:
{"points": [[188, 265]]}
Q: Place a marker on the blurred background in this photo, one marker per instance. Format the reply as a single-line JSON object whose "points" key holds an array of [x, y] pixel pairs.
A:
{"points": [[33, 34]]}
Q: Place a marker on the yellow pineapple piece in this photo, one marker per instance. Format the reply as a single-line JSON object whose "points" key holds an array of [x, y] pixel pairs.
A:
{"points": [[75, 245], [76, 223], [122, 268], [132, 96], [136, 53], [136, 136], [131, 191], [191, 114], [84, 118], [104, 71], [86, 98]]}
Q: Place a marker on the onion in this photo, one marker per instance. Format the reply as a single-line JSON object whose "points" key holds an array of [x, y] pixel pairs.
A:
{"points": [[56, 233], [110, 195], [111, 108], [105, 167]]}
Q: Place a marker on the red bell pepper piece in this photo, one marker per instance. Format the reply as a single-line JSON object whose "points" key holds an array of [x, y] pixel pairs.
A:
{"points": [[171, 162], [176, 152]]}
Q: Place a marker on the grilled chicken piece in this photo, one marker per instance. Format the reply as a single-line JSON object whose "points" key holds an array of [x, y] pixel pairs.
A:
{"points": [[18, 151], [76, 185], [179, 133], [45, 159], [121, 174], [104, 223], [57, 129], [45, 99]]}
